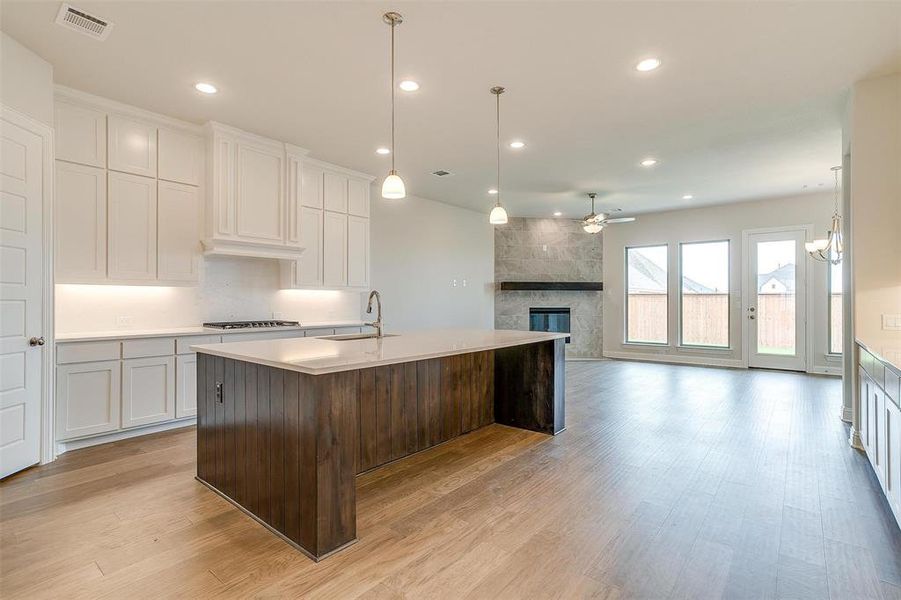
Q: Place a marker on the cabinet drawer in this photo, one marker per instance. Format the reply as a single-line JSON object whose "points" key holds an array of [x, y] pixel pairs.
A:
{"points": [[183, 344], [77, 352], [148, 347]]}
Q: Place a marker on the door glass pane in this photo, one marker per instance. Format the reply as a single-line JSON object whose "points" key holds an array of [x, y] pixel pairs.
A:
{"points": [[835, 308], [776, 297], [646, 300], [705, 294]]}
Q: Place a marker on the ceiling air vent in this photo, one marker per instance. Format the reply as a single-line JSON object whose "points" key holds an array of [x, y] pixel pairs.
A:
{"points": [[82, 22], [441, 173]]}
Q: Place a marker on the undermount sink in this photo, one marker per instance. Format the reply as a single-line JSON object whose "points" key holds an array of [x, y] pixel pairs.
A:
{"points": [[355, 336]]}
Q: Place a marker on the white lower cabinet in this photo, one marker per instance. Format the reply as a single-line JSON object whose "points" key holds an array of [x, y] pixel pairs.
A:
{"points": [[186, 382], [87, 398], [148, 390], [892, 466]]}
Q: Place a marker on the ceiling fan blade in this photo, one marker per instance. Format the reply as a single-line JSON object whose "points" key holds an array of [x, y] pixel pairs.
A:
{"points": [[620, 220]]}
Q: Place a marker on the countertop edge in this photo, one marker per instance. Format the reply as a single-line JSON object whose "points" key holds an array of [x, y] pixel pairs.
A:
{"points": [[216, 350], [65, 338], [878, 354]]}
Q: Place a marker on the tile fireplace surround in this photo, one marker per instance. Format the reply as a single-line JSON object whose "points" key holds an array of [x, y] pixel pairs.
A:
{"points": [[528, 249]]}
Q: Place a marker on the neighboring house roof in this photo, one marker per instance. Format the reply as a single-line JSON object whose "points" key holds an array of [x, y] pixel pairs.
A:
{"points": [[784, 275], [647, 277]]}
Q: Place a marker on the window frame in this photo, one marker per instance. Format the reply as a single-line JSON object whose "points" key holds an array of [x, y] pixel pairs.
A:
{"points": [[682, 343], [626, 339], [829, 352]]}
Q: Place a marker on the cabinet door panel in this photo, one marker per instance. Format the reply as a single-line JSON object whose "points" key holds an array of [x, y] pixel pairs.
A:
{"points": [[864, 395], [311, 186], [186, 380], [87, 399], [180, 157], [892, 454], [80, 134], [80, 214], [881, 433], [179, 231], [132, 227], [309, 266], [358, 197], [334, 249], [260, 213], [148, 390], [357, 251], [132, 146], [335, 192]]}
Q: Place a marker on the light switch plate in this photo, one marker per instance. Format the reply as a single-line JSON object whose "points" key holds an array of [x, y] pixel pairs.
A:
{"points": [[891, 322]]}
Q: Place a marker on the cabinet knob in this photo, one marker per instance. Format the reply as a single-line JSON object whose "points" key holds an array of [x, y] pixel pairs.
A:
{"points": [[36, 341]]}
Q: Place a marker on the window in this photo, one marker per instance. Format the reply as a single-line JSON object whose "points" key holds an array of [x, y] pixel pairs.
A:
{"points": [[704, 298], [835, 308], [646, 287]]}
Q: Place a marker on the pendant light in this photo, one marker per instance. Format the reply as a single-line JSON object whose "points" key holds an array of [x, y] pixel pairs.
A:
{"points": [[498, 215], [393, 187], [829, 249]]}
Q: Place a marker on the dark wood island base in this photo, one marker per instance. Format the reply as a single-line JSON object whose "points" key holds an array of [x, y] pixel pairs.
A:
{"points": [[286, 446]]}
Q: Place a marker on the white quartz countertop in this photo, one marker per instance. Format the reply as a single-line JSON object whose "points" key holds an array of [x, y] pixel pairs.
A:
{"points": [[87, 336], [317, 356]]}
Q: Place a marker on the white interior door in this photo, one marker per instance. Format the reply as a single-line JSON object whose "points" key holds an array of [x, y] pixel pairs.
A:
{"points": [[21, 290], [776, 300]]}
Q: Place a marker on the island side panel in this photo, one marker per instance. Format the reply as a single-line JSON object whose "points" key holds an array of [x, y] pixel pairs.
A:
{"points": [[529, 386]]}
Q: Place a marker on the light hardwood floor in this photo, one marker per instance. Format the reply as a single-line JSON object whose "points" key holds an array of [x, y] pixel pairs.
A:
{"points": [[670, 482]]}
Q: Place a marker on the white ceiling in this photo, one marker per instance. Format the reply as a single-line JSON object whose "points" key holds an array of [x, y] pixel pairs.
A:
{"points": [[748, 101]]}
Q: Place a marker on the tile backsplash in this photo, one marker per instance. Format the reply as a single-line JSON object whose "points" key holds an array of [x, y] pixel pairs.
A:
{"points": [[229, 289]]}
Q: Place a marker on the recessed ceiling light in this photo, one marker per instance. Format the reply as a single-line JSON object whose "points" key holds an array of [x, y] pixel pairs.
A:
{"points": [[648, 64], [206, 88], [649, 162], [558, 214], [383, 150], [492, 191], [408, 85], [516, 145], [687, 197]]}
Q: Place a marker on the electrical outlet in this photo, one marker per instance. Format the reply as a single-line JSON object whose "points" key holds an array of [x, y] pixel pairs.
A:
{"points": [[124, 321], [454, 283], [464, 283], [544, 247]]}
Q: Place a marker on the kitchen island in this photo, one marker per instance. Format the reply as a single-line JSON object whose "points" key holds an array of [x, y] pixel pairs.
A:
{"points": [[284, 426]]}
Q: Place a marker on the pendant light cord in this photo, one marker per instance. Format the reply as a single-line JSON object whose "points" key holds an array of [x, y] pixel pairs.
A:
{"points": [[498, 122], [393, 91]]}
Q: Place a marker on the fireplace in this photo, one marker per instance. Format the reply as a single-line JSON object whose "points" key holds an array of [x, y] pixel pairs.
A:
{"points": [[549, 319]]}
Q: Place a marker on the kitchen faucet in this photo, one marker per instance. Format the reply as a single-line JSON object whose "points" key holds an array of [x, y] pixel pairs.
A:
{"points": [[378, 320]]}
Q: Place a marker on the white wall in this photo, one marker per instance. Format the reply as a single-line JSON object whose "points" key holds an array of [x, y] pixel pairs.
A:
{"points": [[876, 207], [26, 81], [230, 289], [714, 223], [419, 247]]}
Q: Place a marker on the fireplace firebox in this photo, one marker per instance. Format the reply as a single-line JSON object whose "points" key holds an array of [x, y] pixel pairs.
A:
{"points": [[549, 319]]}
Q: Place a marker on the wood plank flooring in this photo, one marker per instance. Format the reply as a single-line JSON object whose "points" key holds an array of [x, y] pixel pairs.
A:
{"points": [[670, 482]]}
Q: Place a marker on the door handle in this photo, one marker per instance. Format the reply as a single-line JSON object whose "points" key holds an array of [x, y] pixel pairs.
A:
{"points": [[36, 341]]}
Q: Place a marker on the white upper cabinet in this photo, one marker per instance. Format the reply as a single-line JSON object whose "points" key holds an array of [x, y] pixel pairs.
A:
{"points": [[311, 186], [180, 157], [358, 197], [131, 146], [260, 193], [247, 214], [179, 211], [335, 192], [132, 227], [80, 213], [357, 251], [334, 249], [80, 134]]}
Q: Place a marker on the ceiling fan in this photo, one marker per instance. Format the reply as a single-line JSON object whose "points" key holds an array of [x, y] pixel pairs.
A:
{"points": [[594, 223]]}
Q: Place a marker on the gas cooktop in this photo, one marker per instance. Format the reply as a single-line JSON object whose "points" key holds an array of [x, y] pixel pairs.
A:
{"points": [[250, 324]]}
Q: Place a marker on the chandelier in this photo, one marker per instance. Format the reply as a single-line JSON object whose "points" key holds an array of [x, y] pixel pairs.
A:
{"points": [[831, 248]]}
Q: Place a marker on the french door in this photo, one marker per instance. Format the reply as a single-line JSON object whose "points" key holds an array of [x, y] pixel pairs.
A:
{"points": [[776, 299]]}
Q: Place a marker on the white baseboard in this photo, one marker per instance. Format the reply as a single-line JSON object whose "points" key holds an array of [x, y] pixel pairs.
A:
{"points": [[701, 361], [583, 359], [115, 436]]}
